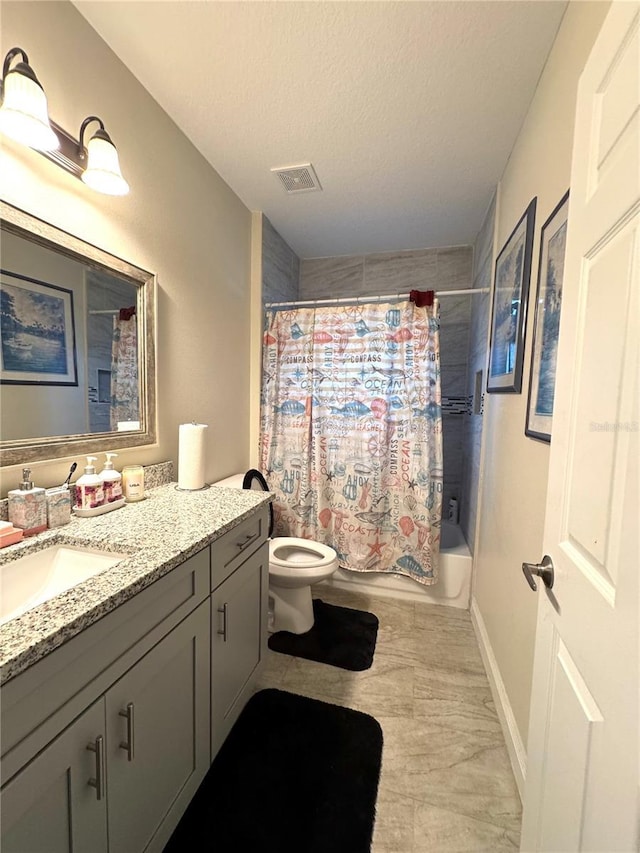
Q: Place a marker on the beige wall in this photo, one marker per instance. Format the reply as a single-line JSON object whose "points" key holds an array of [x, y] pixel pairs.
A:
{"points": [[180, 221], [255, 381], [514, 475]]}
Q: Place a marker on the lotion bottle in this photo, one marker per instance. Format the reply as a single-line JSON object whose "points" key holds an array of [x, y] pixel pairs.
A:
{"points": [[111, 480], [28, 506], [89, 489]]}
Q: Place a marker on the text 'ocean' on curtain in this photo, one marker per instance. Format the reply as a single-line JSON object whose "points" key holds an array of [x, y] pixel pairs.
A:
{"points": [[351, 432]]}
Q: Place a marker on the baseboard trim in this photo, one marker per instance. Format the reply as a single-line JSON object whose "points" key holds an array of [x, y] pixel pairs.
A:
{"points": [[515, 746]]}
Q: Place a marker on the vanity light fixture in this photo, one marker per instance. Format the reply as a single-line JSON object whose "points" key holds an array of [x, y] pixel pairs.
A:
{"points": [[24, 115], [102, 171], [95, 163]]}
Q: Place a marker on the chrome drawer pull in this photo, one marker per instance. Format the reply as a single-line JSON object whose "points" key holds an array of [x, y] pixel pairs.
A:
{"points": [[98, 781], [223, 610], [128, 744]]}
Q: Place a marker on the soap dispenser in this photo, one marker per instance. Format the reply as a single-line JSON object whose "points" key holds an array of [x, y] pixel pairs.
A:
{"points": [[111, 480], [89, 489], [28, 506]]}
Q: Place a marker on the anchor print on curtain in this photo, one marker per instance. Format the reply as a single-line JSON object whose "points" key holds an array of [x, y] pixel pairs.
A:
{"points": [[351, 432]]}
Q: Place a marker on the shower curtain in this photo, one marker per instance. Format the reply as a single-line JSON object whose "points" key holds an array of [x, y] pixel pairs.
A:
{"points": [[124, 369], [351, 432]]}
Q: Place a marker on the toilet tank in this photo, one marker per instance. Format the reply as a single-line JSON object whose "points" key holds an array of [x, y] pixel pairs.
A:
{"points": [[232, 482], [235, 481]]}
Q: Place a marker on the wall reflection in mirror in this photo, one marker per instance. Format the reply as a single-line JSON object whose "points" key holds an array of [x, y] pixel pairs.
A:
{"points": [[76, 345]]}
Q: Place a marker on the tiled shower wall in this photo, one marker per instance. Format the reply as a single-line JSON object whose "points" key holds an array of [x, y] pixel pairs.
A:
{"points": [[280, 266], [400, 272], [478, 339]]}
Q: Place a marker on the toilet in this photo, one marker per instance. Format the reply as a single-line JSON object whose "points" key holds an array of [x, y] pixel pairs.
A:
{"points": [[294, 565]]}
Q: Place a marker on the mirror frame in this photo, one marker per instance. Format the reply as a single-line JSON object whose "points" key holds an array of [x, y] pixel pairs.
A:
{"points": [[21, 451]]}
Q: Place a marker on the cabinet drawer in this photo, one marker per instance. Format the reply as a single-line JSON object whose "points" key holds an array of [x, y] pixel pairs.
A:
{"points": [[48, 695], [228, 552]]}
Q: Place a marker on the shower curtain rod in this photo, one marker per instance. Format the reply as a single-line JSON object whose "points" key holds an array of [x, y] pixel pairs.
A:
{"points": [[385, 298], [107, 311]]}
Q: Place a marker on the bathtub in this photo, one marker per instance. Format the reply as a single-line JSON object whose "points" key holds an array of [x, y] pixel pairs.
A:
{"points": [[454, 582]]}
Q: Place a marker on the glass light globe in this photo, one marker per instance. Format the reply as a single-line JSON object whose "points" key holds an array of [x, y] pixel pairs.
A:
{"points": [[103, 167], [24, 115]]}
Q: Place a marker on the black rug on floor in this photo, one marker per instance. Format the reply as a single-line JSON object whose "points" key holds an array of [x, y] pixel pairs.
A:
{"points": [[294, 776], [340, 637]]}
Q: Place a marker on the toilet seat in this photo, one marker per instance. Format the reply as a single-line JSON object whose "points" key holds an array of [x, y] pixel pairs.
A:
{"points": [[296, 554]]}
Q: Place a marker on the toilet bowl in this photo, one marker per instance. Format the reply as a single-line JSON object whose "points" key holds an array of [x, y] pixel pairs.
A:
{"points": [[294, 565]]}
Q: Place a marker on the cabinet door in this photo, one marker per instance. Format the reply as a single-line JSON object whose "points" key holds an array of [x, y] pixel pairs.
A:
{"points": [[158, 737], [238, 641], [58, 802]]}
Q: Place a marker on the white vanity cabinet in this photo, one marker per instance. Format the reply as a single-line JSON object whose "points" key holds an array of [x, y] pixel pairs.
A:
{"points": [[240, 581]]}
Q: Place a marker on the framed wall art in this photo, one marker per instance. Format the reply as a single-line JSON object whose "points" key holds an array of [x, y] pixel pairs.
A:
{"points": [[37, 332], [509, 310], [542, 381]]}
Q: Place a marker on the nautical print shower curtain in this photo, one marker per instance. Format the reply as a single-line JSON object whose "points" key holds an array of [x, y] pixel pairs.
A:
{"points": [[351, 432], [124, 369]]}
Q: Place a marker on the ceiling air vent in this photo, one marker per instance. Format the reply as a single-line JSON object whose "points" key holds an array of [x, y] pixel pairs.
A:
{"points": [[298, 179]]}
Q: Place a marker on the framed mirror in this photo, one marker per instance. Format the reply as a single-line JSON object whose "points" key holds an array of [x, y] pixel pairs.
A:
{"points": [[77, 352]]}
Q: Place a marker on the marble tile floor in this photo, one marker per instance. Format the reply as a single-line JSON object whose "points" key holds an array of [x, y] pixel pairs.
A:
{"points": [[446, 785]]}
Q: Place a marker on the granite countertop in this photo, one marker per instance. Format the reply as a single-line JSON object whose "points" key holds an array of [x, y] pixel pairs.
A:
{"points": [[159, 533]]}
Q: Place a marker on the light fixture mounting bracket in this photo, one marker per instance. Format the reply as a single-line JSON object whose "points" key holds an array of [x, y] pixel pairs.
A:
{"points": [[71, 156]]}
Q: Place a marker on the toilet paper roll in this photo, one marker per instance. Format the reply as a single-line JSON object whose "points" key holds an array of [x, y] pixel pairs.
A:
{"points": [[191, 456]]}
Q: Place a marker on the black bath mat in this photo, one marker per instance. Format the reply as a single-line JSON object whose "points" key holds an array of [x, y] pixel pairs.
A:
{"points": [[294, 776], [340, 637]]}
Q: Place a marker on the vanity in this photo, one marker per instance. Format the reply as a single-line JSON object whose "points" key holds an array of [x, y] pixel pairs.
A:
{"points": [[118, 693], [117, 690]]}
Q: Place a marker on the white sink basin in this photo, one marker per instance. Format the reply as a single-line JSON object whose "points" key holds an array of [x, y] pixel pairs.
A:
{"points": [[37, 577]]}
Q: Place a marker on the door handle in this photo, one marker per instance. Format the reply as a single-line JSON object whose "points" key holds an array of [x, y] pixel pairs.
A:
{"points": [[128, 744], [543, 570], [97, 782]]}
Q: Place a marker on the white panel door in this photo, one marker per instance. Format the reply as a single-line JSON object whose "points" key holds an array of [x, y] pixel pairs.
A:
{"points": [[582, 776]]}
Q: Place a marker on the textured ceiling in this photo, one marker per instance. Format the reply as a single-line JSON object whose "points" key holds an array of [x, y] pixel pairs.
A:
{"points": [[408, 111]]}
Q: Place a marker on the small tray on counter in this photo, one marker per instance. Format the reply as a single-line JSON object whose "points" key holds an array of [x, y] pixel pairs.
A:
{"points": [[98, 510]]}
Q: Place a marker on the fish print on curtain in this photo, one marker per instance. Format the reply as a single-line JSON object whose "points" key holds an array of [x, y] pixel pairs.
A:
{"points": [[124, 372], [351, 432]]}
